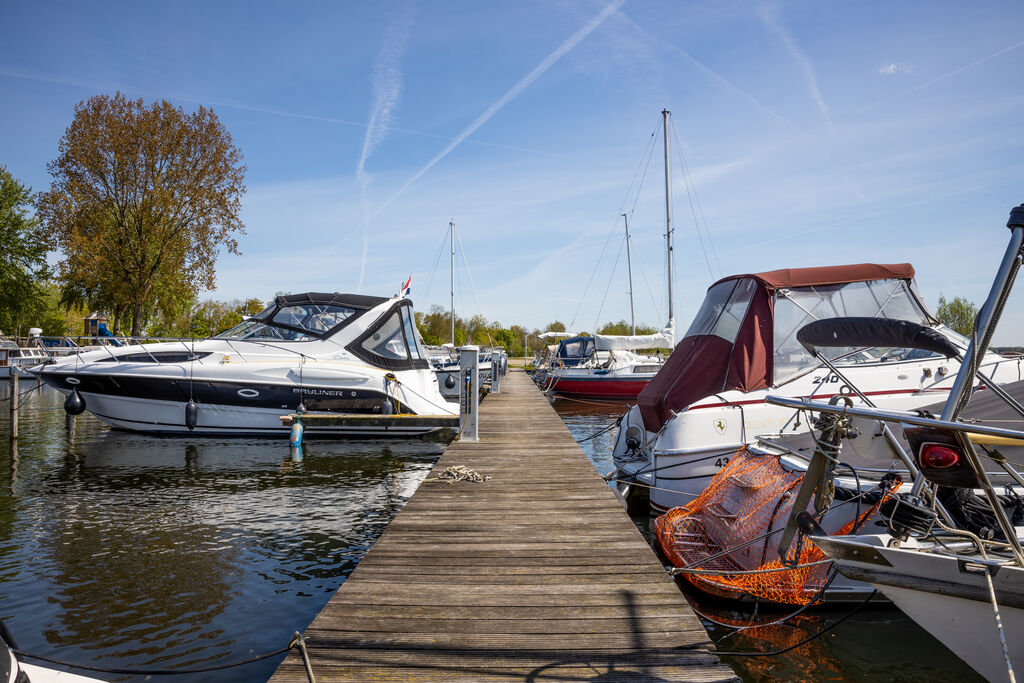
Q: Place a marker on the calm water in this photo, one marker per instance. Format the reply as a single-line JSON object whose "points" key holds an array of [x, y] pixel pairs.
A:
{"points": [[877, 644], [130, 551], [125, 551]]}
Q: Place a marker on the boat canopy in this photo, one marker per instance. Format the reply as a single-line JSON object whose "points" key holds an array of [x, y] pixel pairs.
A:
{"points": [[744, 335], [662, 340], [302, 317], [573, 351]]}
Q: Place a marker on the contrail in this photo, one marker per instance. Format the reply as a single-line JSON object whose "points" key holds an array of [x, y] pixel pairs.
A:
{"points": [[227, 104], [387, 90], [769, 14], [943, 77], [710, 72], [573, 40]]}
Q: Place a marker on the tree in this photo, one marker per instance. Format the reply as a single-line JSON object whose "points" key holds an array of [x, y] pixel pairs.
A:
{"points": [[22, 257], [957, 314], [142, 201]]}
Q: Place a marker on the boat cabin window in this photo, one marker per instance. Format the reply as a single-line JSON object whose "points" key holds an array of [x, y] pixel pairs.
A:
{"points": [[391, 341], [795, 307], [156, 357], [723, 310], [291, 323]]}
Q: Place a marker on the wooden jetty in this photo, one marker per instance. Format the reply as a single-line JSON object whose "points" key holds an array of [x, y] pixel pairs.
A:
{"points": [[535, 574]]}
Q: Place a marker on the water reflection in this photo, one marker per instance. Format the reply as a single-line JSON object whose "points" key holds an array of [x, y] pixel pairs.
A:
{"points": [[877, 644], [125, 550]]}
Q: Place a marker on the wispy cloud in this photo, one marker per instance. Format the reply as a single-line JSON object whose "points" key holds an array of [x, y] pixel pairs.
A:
{"points": [[770, 16], [893, 69], [99, 86], [950, 74], [573, 40], [387, 91], [706, 70]]}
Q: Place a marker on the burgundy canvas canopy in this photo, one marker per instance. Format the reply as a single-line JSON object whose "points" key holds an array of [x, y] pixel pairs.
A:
{"points": [[704, 364]]}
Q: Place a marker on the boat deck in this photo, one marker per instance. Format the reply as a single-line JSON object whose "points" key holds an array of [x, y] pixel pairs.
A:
{"points": [[535, 574]]}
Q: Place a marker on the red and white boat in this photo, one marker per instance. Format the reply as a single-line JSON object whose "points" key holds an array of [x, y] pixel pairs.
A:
{"points": [[708, 400], [605, 366]]}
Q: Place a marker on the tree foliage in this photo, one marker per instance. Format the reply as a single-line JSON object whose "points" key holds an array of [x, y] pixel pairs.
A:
{"points": [[22, 258], [624, 328], [205, 318], [142, 201], [957, 314]]}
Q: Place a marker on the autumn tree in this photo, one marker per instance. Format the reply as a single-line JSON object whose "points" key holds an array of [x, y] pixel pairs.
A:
{"points": [[143, 199], [22, 257], [957, 314]]}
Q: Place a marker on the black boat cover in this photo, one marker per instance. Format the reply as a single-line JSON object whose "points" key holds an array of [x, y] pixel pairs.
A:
{"points": [[857, 332]]}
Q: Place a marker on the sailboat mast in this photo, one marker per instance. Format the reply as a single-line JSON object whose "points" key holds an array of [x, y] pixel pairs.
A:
{"points": [[451, 239], [668, 220], [629, 267]]}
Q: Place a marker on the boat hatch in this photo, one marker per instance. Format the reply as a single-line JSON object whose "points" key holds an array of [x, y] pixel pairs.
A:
{"points": [[391, 342]]}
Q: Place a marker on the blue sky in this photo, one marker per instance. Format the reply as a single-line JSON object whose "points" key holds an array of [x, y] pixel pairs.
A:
{"points": [[814, 133]]}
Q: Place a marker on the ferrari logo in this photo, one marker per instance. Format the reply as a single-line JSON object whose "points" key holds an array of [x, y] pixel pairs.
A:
{"points": [[720, 426]]}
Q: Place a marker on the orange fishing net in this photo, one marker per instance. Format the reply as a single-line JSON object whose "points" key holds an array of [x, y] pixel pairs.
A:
{"points": [[718, 533]]}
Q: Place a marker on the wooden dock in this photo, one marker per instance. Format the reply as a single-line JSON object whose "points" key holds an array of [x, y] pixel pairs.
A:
{"points": [[536, 574]]}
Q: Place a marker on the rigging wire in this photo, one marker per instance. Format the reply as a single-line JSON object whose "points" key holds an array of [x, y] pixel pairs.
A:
{"points": [[433, 272], [695, 208], [472, 286], [611, 277], [641, 171]]}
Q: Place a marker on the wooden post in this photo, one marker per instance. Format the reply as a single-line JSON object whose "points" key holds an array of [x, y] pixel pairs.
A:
{"points": [[14, 404]]}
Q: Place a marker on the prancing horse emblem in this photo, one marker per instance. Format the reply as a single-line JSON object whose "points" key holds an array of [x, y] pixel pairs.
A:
{"points": [[720, 426]]}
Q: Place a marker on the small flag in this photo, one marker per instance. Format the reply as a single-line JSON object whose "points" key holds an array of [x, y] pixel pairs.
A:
{"points": [[405, 288]]}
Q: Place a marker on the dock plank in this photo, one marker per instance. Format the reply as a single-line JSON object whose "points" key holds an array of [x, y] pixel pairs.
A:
{"points": [[535, 574]]}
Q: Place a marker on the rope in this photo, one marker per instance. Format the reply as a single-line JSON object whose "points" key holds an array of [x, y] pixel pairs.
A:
{"points": [[676, 571], [723, 653], [604, 430], [36, 385], [999, 623], [457, 473], [295, 641]]}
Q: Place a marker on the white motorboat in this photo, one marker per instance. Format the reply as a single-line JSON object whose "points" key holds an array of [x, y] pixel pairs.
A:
{"points": [[15, 358], [958, 573], [709, 399], [339, 353]]}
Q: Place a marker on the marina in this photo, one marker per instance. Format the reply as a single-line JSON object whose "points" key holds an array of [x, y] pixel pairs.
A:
{"points": [[478, 581], [271, 283]]}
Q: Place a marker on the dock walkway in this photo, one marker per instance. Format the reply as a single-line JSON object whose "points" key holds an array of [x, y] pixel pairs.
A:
{"points": [[536, 574]]}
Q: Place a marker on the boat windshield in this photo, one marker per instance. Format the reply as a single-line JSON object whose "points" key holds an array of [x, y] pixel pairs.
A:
{"points": [[297, 322], [795, 307]]}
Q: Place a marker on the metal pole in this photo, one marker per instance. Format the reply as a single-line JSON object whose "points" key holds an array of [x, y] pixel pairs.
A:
{"points": [[14, 403], [629, 267], [668, 218], [496, 372], [451, 239], [469, 392], [988, 317]]}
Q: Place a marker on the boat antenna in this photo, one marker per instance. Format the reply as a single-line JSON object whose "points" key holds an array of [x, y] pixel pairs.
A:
{"points": [[665, 113], [451, 239], [629, 268]]}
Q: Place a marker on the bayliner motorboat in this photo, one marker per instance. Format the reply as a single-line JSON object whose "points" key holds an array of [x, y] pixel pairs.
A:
{"points": [[339, 353], [708, 401]]}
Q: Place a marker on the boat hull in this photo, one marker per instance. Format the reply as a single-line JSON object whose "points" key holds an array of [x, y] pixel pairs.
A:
{"points": [[948, 596], [596, 386]]}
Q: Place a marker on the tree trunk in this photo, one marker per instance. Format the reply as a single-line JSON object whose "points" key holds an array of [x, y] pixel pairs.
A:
{"points": [[137, 320]]}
